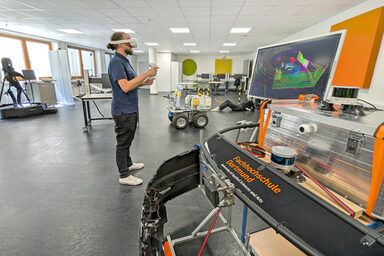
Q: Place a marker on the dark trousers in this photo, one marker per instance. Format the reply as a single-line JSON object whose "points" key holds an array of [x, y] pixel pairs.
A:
{"points": [[125, 127], [234, 107]]}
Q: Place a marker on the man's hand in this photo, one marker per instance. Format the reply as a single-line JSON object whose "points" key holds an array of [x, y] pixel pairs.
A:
{"points": [[151, 72], [148, 81]]}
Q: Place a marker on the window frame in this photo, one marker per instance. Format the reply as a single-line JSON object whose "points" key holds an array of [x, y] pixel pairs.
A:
{"points": [[81, 59], [24, 40]]}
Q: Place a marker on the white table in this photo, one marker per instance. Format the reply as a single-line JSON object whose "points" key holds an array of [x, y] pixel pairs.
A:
{"points": [[85, 99]]}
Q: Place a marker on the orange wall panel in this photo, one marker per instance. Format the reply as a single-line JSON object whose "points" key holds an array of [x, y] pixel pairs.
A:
{"points": [[361, 46]]}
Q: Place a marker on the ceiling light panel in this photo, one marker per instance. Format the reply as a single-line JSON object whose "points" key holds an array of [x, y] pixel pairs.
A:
{"points": [[229, 44], [180, 30], [125, 30], [240, 30], [152, 44], [70, 31], [190, 44]]}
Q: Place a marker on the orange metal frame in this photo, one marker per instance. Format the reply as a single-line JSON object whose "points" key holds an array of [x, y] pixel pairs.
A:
{"points": [[361, 47], [377, 169]]}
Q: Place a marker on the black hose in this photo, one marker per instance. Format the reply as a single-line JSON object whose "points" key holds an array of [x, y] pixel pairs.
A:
{"points": [[98, 109], [243, 126]]}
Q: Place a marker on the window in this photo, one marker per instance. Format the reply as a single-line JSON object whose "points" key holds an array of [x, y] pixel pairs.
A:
{"points": [[81, 59], [74, 62], [12, 48], [39, 58], [27, 54], [88, 61]]}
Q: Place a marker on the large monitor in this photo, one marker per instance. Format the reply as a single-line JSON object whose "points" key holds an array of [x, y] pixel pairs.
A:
{"points": [[204, 76], [105, 82], [238, 76], [287, 70], [220, 76], [29, 74]]}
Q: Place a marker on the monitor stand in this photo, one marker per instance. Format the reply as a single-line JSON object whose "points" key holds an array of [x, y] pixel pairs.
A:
{"points": [[356, 110]]}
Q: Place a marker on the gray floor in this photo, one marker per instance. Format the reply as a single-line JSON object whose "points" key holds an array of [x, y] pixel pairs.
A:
{"points": [[59, 191]]}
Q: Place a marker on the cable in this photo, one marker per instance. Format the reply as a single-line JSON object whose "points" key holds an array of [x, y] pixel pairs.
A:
{"points": [[263, 129], [98, 109], [254, 150], [220, 101], [351, 212], [374, 107], [209, 232]]}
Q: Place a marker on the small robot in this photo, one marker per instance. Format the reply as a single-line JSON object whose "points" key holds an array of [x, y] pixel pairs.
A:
{"points": [[194, 110]]}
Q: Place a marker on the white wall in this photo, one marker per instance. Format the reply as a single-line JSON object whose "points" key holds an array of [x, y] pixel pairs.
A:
{"points": [[375, 93], [133, 61], [164, 72], [140, 58], [206, 63]]}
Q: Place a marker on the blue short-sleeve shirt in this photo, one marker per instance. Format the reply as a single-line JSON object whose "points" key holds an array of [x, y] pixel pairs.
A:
{"points": [[122, 103]]}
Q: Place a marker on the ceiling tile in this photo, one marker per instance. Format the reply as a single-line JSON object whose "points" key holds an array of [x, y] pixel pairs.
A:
{"points": [[295, 3], [70, 4], [100, 4], [168, 12], [225, 10], [194, 3], [285, 11], [89, 13], [198, 19], [222, 19], [114, 13], [141, 12], [131, 3], [15, 5], [208, 20], [196, 11], [261, 2], [255, 10], [175, 20], [238, 3], [162, 3], [127, 20]]}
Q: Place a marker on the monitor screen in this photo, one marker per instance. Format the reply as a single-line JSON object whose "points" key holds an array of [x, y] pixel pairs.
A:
{"points": [[205, 76], [105, 82], [288, 70], [28, 74], [221, 76], [238, 76]]}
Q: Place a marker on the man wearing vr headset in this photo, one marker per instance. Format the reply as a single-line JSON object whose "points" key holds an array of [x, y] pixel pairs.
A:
{"points": [[124, 83]]}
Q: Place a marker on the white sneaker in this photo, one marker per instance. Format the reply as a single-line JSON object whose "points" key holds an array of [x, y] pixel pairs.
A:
{"points": [[135, 166], [131, 181], [216, 109]]}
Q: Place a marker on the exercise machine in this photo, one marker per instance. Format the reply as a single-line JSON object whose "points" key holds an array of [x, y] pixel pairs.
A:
{"points": [[18, 109]]}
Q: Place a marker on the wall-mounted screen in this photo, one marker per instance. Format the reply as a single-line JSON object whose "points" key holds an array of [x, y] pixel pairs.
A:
{"points": [[287, 70]]}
